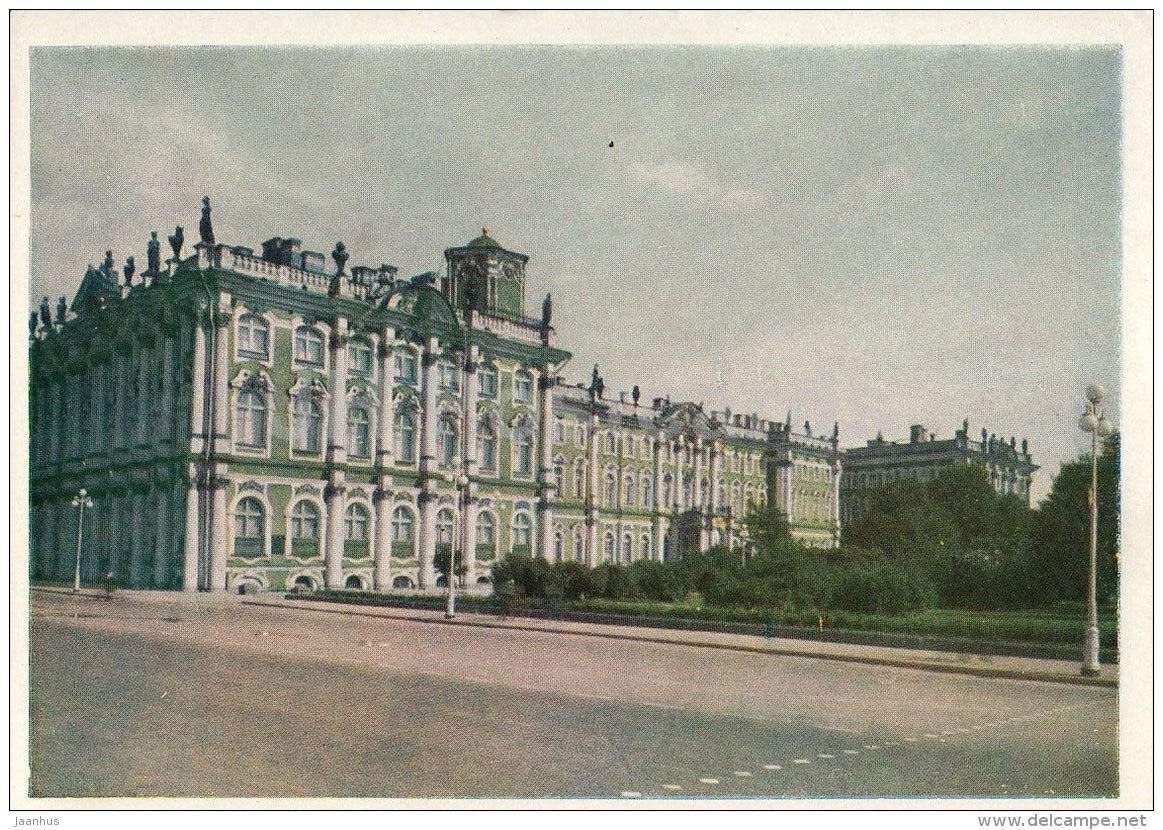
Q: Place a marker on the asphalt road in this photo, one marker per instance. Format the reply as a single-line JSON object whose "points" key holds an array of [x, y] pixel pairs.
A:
{"points": [[131, 698]]}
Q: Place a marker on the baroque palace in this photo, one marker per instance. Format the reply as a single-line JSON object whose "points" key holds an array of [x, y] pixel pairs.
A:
{"points": [[259, 421]]}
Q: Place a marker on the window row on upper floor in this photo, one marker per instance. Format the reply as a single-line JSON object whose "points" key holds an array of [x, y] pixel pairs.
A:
{"points": [[632, 446], [309, 351]]}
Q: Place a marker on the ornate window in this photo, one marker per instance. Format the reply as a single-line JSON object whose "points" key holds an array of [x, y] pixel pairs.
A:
{"points": [[250, 419], [627, 552], [249, 519], [580, 434], [447, 436], [522, 387], [406, 373], [522, 531], [645, 545], [608, 549], [579, 479], [559, 474], [736, 498], [444, 522], [557, 546], [522, 450], [359, 359], [666, 491], [628, 491], [253, 337], [356, 522], [559, 431], [307, 418], [448, 377], [486, 529], [611, 444], [405, 438], [579, 544], [488, 382], [402, 525], [647, 490], [611, 490], [305, 521], [487, 445], [308, 347], [359, 432]]}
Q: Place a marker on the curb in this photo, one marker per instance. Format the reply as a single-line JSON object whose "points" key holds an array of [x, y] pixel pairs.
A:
{"points": [[920, 665]]}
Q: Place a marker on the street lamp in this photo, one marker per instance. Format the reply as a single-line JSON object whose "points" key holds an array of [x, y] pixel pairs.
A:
{"points": [[1094, 422], [80, 501]]}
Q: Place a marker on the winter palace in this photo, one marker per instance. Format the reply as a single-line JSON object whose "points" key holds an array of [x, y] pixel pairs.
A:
{"points": [[248, 420]]}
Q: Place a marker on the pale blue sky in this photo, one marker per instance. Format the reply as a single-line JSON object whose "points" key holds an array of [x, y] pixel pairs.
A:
{"points": [[879, 236]]}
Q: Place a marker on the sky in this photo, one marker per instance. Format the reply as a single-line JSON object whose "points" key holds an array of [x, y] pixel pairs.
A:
{"points": [[875, 236]]}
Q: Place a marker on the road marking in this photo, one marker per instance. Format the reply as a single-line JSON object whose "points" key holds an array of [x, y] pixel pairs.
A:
{"points": [[741, 773], [851, 751], [708, 780], [825, 755], [772, 766], [631, 794], [671, 787], [801, 761]]}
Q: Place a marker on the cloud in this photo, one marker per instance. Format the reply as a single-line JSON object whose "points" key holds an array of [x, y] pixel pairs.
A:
{"points": [[687, 180]]}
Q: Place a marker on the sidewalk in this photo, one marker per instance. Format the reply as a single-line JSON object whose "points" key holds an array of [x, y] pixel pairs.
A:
{"points": [[991, 666], [1010, 668]]}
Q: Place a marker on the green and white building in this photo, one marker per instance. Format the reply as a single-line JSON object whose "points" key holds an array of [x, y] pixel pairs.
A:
{"points": [[267, 420]]}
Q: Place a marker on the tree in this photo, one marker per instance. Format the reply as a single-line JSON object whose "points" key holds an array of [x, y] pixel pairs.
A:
{"points": [[440, 562], [767, 526], [1059, 544], [903, 519]]}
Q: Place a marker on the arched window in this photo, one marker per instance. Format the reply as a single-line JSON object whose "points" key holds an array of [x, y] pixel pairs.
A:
{"points": [[627, 552], [522, 531], [486, 529], [522, 387], [305, 521], [749, 499], [608, 549], [647, 490], [308, 347], [250, 419], [611, 491], [448, 377], [579, 545], [405, 438], [487, 445], [559, 431], [308, 425], [579, 480], [559, 474], [356, 522], [628, 491], [402, 531], [522, 451], [359, 432], [666, 492], [611, 444], [645, 545], [557, 546], [488, 382], [359, 359], [444, 520], [579, 434], [720, 497], [253, 337], [736, 498], [249, 527], [447, 440], [402, 582]]}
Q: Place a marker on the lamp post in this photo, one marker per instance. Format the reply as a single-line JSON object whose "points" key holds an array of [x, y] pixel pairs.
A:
{"points": [[80, 501], [1094, 422]]}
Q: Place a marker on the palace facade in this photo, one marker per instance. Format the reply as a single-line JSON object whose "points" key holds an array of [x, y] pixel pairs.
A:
{"points": [[261, 421]]}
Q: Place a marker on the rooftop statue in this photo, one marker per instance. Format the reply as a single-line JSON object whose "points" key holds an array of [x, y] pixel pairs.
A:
{"points": [[45, 315], [62, 311], [635, 394], [547, 311], [32, 325], [153, 255], [205, 229], [340, 255], [107, 265], [128, 270], [176, 241]]}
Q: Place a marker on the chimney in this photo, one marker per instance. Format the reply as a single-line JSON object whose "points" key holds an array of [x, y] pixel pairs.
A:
{"points": [[918, 434]]}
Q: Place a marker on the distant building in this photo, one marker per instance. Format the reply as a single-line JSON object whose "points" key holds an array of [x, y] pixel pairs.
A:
{"points": [[923, 457], [267, 421]]}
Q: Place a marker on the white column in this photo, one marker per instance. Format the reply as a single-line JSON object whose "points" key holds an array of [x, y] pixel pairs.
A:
{"points": [[545, 504], [384, 425], [219, 394], [198, 388], [468, 517], [428, 466], [836, 500], [699, 495], [218, 531], [655, 445], [337, 453], [190, 552], [592, 548], [166, 391]]}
